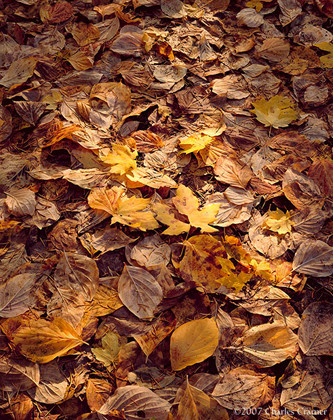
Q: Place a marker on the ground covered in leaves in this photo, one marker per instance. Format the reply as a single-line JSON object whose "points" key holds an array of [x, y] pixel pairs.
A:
{"points": [[166, 209]]}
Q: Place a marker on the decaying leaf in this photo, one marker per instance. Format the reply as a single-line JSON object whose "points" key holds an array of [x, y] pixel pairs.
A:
{"points": [[193, 342], [279, 111]]}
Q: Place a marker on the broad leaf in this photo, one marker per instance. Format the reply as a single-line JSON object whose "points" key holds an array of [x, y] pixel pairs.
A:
{"points": [[43, 341], [139, 291], [193, 342], [314, 258], [279, 222], [278, 112]]}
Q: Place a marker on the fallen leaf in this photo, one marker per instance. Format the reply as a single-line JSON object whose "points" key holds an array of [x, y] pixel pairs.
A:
{"points": [[326, 60], [108, 353], [268, 344], [97, 392], [139, 291], [277, 112], [279, 222], [315, 258], [244, 387], [195, 143], [21, 202], [314, 334], [121, 159], [18, 374], [43, 340], [193, 342], [19, 72], [197, 405], [135, 400]]}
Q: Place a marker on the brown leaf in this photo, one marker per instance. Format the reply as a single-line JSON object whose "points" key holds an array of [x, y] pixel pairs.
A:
{"points": [[314, 258], [19, 72], [21, 407], [59, 12], [98, 391], [231, 172], [17, 374], [321, 171], [85, 33], [5, 123], [315, 338], [244, 387], [21, 202], [274, 49], [139, 291], [30, 111]]}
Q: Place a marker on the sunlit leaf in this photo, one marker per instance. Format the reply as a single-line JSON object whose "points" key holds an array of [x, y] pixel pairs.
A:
{"points": [[277, 112], [279, 222]]}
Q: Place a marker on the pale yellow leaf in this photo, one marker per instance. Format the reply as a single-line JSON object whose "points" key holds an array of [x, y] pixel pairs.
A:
{"points": [[121, 159], [279, 222], [195, 143], [279, 111]]}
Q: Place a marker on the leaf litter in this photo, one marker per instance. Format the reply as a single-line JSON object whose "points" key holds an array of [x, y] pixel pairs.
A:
{"points": [[166, 209]]}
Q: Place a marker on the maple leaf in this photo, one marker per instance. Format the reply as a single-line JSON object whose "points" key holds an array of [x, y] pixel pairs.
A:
{"points": [[195, 143], [167, 215], [121, 159], [326, 60], [256, 4], [130, 211], [279, 222], [277, 112]]}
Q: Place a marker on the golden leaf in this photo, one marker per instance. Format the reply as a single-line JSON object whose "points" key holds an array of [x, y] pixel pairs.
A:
{"points": [[167, 215], [193, 342], [279, 222], [195, 143], [187, 203], [277, 112], [125, 210], [42, 340], [121, 159]]}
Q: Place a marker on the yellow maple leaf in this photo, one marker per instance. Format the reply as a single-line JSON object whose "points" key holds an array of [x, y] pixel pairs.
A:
{"points": [[130, 211], [256, 4], [195, 143], [236, 282], [121, 159], [166, 215], [326, 60], [187, 203], [279, 222], [277, 112], [262, 269]]}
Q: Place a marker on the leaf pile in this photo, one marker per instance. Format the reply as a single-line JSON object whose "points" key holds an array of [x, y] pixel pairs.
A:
{"points": [[166, 209]]}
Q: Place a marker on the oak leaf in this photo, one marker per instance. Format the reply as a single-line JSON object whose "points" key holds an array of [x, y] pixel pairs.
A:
{"points": [[43, 341], [279, 111], [193, 342], [131, 211], [279, 222]]}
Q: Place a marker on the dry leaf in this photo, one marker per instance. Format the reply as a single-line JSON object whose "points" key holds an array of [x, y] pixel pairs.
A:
{"points": [[193, 342], [85, 33], [279, 222], [135, 400], [268, 344], [43, 341], [139, 291], [314, 258], [121, 159], [194, 143], [315, 338], [17, 374], [244, 387], [97, 392], [19, 72], [279, 111], [197, 405], [21, 202]]}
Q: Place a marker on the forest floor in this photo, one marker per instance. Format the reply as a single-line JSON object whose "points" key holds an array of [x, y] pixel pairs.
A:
{"points": [[166, 227]]}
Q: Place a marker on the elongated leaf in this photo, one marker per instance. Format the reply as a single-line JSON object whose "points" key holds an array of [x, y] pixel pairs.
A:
{"points": [[137, 402], [193, 342], [43, 341], [314, 258], [18, 374], [139, 291]]}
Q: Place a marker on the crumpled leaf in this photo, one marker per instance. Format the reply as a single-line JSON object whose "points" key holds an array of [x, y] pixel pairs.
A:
{"points": [[279, 222], [315, 258], [43, 341], [139, 291], [279, 111], [193, 342]]}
